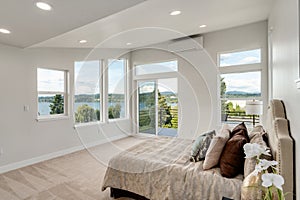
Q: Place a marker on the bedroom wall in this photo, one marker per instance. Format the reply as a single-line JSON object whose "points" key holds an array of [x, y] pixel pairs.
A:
{"points": [[284, 32], [25, 140]]}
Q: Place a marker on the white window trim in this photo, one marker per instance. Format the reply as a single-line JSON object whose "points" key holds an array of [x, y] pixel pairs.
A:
{"points": [[65, 94]]}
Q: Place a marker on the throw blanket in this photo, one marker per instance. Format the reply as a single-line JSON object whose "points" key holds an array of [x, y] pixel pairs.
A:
{"points": [[159, 168]]}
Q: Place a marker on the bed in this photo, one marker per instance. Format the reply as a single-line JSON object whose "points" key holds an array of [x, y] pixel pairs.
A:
{"points": [[160, 168]]}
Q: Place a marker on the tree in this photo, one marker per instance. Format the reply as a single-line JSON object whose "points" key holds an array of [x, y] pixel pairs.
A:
{"points": [[85, 113], [164, 116], [57, 105], [174, 113], [114, 111]]}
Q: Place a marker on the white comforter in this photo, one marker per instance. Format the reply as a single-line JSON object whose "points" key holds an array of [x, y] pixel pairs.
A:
{"points": [[159, 169]]}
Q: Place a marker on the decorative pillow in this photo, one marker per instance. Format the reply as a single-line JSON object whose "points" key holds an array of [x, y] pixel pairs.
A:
{"points": [[255, 130], [201, 145], [240, 129], [251, 162], [215, 148], [233, 157]]}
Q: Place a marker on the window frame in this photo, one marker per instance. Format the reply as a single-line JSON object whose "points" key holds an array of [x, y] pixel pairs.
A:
{"points": [[65, 94], [126, 109], [151, 77], [242, 68], [101, 92], [239, 65]]}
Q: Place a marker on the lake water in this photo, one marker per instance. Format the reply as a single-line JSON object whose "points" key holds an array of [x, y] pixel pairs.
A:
{"points": [[44, 107]]}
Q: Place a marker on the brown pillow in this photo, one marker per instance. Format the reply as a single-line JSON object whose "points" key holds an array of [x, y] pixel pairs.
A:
{"points": [[215, 148], [233, 157], [240, 129]]}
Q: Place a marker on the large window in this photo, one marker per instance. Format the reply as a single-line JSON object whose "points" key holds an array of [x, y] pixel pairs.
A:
{"points": [[116, 88], [239, 84], [52, 93], [87, 99]]}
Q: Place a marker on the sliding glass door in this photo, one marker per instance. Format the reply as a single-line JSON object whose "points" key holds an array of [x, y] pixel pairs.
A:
{"points": [[158, 107]]}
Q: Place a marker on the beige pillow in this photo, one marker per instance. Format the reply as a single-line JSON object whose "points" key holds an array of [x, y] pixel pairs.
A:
{"points": [[251, 162], [215, 148], [255, 130]]}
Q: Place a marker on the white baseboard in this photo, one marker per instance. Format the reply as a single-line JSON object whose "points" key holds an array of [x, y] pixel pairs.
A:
{"points": [[56, 154]]}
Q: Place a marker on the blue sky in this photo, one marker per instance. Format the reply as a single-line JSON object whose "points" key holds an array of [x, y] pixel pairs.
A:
{"points": [[247, 82], [50, 80], [240, 58], [87, 74]]}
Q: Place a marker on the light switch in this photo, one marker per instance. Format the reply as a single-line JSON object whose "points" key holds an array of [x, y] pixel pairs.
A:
{"points": [[26, 108]]}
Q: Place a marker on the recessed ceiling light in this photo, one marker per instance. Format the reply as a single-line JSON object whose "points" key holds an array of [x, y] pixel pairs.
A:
{"points": [[43, 6], [202, 26], [82, 41], [5, 31], [175, 12], [128, 43]]}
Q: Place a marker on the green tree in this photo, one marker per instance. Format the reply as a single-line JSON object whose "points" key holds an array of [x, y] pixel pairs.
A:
{"points": [[57, 105], [174, 113], [164, 115], [85, 113], [114, 111]]}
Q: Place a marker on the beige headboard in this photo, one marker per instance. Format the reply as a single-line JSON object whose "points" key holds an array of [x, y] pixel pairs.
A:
{"points": [[281, 144]]}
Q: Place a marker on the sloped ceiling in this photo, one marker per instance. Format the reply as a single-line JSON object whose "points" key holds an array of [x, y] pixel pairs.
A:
{"points": [[115, 23]]}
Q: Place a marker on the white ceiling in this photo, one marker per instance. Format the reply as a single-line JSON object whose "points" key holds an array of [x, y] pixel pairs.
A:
{"points": [[143, 24], [30, 25]]}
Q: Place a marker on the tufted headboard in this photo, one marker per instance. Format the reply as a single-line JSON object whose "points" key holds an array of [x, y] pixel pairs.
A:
{"points": [[281, 144]]}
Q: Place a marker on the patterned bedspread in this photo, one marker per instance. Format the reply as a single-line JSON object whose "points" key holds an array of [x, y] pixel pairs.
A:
{"points": [[159, 168]]}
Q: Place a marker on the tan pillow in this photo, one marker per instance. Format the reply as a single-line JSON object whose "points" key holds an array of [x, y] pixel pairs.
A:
{"points": [[251, 162], [255, 130], [215, 148]]}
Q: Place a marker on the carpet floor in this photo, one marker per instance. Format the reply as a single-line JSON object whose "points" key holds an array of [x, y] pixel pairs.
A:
{"points": [[74, 176]]}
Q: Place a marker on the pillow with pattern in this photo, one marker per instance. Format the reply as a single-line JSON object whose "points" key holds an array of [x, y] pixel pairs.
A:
{"points": [[200, 146]]}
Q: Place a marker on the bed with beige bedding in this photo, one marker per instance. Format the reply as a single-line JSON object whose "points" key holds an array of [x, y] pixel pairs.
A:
{"points": [[159, 168]]}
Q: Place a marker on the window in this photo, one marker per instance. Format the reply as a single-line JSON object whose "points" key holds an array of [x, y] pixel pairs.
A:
{"points": [[116, 88], [52, 92], [154, 68], [239, 84], [87, 99], [240, 58], [157, 98]]}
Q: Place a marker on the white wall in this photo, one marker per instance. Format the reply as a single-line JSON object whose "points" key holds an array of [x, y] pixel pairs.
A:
{"points": [[285, 63], [22, 138]]}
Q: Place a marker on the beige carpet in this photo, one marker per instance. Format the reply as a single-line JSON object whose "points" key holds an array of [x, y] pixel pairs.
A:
{"points": [[75, 176]]}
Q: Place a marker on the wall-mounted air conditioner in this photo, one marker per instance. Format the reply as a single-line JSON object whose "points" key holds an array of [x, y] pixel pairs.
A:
{"points": [[190, 43]]}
